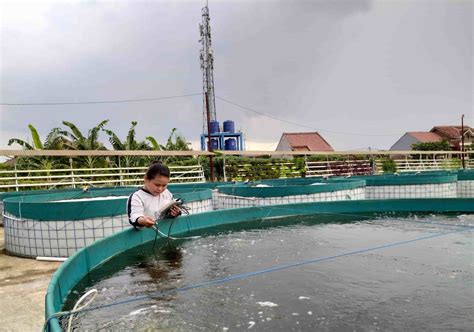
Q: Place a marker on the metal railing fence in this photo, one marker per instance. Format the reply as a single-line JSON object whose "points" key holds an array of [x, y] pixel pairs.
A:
{"points": [[348, 167], [80, 177], [317, 164]]}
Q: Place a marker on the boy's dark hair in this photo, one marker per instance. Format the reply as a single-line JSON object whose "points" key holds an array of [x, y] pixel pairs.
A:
{"points": [[157, 168]]}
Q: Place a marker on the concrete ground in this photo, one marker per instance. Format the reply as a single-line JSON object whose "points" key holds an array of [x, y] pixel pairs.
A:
{"points": [[23, 284]]}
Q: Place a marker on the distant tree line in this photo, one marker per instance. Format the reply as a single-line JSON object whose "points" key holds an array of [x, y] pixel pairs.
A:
{"points": [[72, 138]]}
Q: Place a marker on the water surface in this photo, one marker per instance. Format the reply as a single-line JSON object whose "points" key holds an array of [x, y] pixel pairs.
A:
{"points": [[423, 285]]}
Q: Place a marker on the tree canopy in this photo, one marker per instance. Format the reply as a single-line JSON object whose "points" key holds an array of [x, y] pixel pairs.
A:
{"points": [[432, 146], [74, 139]]}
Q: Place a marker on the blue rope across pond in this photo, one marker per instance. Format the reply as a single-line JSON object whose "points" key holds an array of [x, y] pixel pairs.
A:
{"points": [[258, 272]]}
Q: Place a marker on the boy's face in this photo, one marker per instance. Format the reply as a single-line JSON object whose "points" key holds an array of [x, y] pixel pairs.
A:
{"points": [[156, 185]]}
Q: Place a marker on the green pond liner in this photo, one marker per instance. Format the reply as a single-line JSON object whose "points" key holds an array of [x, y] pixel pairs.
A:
{"points": [[199, 185], [408, 179], [95, 255], [9, 194], [171, 186], [51, 207], [290, 190], [430, 172], [466, 175], [305, 181]]}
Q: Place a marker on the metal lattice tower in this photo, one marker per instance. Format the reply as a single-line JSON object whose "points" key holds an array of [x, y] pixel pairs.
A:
{"points": [[207, 66]]}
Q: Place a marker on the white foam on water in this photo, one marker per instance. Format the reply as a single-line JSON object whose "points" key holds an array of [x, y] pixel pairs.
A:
{"points": [[162, 311], [303, 298], [137, 312], [251, 324], [153, 307], [267, 304]]}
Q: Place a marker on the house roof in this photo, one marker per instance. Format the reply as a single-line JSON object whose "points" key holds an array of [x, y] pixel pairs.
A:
{"points": [[311, 141], [425, 136], [450, 132]]}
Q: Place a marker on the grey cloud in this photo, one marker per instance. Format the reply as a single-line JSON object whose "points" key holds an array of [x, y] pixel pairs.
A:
{"points": [[368, 67]]}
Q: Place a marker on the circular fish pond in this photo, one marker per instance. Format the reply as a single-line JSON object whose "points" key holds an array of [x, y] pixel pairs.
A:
{"points": [[271, 192], [337, 270], [60, 223], [418, 185]]}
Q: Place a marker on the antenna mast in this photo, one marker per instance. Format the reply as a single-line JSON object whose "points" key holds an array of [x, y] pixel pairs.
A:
{"points": [[207, 66]]}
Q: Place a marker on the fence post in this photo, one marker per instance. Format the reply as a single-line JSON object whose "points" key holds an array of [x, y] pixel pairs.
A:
{"points": [[306, 168], [223, 168], [72, 172], [328, 166], [16, 178], [120, 171]]}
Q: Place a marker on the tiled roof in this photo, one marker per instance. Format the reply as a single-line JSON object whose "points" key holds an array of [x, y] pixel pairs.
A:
{"points": [[450, 132], [307, 142], [425, 136]]}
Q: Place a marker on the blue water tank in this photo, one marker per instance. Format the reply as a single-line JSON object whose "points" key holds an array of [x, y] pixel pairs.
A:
{"points": [[230, 144], [214, 126], [229, 126], [214, 144]]}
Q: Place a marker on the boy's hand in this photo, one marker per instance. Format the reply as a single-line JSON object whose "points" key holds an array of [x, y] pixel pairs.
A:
{"points": [[175, 211], [146, 221]]}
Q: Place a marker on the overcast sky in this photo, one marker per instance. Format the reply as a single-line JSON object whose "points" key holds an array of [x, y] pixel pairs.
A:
{"points": [[360, 72]]}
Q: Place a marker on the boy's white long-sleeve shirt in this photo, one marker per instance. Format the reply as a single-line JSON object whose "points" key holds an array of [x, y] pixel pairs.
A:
{"points": [[143, 203]]}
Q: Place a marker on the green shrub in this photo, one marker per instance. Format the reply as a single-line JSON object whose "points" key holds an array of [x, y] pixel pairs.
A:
{"points": [[389, 165], [451, 164]]}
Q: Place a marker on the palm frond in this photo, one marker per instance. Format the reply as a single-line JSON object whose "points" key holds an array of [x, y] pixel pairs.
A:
{"points": [[94, 135], [55, 139], [130, 141], [154, 143], [35, 136], [114, 140], [21, 142], [76, 134]]}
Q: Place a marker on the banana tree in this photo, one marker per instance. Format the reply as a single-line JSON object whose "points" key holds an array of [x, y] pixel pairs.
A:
{"points": [[55, 140], [130, 143], [77, 141], [176, 142]]}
